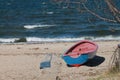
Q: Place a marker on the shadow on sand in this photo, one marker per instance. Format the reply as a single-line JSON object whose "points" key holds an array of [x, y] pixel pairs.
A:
{"points": [[97, 60]]}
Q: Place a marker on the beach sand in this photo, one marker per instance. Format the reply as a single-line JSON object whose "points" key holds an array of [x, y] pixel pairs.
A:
{"points": [[22, 61]]}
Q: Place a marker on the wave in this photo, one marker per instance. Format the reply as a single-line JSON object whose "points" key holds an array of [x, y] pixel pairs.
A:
{"points": [[50, 12], [37, 39], [8, 40], [36, 26]]}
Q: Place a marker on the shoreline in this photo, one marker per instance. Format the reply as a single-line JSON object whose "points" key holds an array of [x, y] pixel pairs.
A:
{"points": [[61, 39], [21, 61], [42, 42]]}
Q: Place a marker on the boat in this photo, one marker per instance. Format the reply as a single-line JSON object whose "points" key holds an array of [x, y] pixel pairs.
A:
{"points": [[80, 53]]}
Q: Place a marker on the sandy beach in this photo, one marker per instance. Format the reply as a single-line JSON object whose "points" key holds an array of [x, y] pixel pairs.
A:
{"points": [[22, 61]]}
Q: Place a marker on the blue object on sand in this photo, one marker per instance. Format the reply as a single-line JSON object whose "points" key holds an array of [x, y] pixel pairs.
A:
{"points": [[80, 53], [46, 62], [79, 60]]}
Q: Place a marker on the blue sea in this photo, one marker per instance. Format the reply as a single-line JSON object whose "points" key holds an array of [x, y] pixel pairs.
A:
{"points": [[44, 20]]}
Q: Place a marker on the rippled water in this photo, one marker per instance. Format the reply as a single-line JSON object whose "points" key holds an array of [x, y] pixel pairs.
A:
{"points": [[41, 20]]}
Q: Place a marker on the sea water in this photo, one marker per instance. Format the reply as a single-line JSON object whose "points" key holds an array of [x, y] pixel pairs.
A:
{"points": [[44, 20]]}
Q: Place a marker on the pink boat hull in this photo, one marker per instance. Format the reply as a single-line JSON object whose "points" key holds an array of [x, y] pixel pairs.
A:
{"points": [[83, 47], [80, 52]]}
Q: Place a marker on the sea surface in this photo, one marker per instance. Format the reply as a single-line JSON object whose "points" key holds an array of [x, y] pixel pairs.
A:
{"points": [[44, 20]]}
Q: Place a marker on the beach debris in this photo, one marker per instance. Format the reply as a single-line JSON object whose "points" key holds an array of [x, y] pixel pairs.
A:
{"points": [[18, 47], [115, 60], [58, 78], [35, 48], [46, 62], [21, 40], [46, 48]]}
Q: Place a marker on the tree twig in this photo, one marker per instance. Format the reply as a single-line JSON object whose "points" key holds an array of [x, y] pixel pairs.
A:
{"points": [[98, 16]]}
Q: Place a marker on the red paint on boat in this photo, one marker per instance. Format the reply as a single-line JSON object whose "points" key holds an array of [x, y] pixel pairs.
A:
{"points": [[75, 65], [82, 47]]}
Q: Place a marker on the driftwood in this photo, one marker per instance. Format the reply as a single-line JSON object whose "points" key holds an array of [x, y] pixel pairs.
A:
{"points": [[115, 60]]}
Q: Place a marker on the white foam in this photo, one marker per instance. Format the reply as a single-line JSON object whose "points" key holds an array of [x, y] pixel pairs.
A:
{"points": [[50, 12], [37, 39], [110, 37], [8, 40], [36, 26]]}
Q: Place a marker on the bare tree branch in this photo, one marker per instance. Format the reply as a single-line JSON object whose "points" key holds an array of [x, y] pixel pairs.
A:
{"points": [[111, 6], [113, 9], [102, 18]]}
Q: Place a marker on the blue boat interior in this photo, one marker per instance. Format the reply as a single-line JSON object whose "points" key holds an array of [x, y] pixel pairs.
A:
{"points": [[79, 60]]}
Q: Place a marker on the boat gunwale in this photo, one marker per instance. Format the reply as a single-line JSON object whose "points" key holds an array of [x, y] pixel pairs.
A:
{"points": [[80, 42]]}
